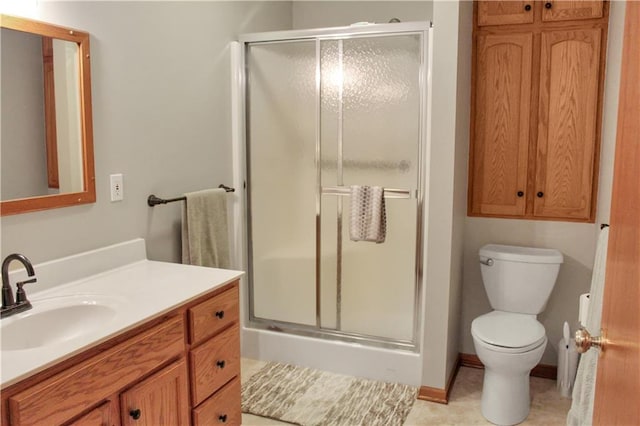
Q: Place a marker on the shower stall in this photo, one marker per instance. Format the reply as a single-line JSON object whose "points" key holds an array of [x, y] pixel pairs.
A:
{"points": [[322, 110]]}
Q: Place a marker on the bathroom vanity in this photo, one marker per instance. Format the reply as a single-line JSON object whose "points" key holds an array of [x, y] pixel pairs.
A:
{"points": [[164, 349]]}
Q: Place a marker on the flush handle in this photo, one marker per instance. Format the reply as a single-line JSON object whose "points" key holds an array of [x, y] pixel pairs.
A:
{"points": [[585, 341], [488, 262]]}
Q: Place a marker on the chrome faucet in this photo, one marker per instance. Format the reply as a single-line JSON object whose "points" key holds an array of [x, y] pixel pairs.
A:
{"points": [[9, 306]]}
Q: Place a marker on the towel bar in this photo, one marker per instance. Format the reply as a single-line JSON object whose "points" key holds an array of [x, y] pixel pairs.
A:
{"points": [[152, 200], [345, 190]]}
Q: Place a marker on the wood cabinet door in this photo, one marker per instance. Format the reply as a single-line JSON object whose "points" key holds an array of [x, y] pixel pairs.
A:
{"points": [[160, 400], [570, 10], [501, 124], [503, 12], [568, 113]]}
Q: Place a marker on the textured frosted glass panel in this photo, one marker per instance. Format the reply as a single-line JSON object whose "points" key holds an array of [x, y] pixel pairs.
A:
{"points": [[381, 134], [282, 176], [329, 125]]}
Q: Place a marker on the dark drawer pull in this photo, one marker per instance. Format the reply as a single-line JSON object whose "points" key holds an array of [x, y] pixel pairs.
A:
{"points": [[520, 193], [135, 414], [527, 7], [219, 314], [548, 5], [540, 194], [222, 418], [220, 364]]}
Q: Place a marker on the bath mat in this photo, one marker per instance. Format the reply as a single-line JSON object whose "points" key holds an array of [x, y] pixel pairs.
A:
{"points": [[309, 397]]}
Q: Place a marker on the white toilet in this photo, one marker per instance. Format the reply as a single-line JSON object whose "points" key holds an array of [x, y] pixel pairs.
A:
{"points": [[509, 340]]}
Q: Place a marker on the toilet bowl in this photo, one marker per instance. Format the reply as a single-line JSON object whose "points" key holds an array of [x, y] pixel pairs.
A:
{"points": [[510, 341], [508, 345]]}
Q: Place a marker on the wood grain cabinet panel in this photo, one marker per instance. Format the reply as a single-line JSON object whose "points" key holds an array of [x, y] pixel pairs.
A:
{"points": [[211, 316], [504, 12], [214, 363], [65, 395], [221, 408], [160, 400], [536, 110], [569, 77], [571, 10], [99, 416], [500, 151]]}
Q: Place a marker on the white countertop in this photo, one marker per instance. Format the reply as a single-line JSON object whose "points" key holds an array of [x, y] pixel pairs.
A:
{"points": [[141, 289]]}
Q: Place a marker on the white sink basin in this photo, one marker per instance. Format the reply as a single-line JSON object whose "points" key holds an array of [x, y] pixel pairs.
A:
{"points": [[57, 320]]}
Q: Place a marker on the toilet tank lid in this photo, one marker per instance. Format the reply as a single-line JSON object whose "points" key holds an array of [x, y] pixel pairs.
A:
{"points": [[521, 254]]}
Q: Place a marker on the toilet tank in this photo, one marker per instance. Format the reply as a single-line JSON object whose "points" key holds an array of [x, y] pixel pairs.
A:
{"points": [[519, 279]]}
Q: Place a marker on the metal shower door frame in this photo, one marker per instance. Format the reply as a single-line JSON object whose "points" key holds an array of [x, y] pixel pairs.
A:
{"points": [[318, 35]]}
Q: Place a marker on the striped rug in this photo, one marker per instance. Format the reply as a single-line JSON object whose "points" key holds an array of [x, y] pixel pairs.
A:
{"points": [[308, 397]]}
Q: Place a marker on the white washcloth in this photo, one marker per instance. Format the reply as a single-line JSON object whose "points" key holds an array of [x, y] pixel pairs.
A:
{"points": [[205, 238], [584, 389], [368, 219]]}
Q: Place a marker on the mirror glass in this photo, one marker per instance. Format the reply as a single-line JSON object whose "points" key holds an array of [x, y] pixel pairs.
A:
{"points": [[46, 150]]}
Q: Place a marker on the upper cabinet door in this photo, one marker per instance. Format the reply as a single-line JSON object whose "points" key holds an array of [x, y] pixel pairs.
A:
{"points": [[501, 123], [570, 10], [503, 12], [568, 113]]}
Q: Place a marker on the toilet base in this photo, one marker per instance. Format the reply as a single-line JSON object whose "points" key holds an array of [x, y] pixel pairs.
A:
{"points": [[505, 397]]}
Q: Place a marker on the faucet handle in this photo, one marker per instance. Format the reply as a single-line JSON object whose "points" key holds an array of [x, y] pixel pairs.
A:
{"points": [[21, 296]]}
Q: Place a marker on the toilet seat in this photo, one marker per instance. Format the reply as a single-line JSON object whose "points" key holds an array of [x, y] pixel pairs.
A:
{"points": [[508, 331]]}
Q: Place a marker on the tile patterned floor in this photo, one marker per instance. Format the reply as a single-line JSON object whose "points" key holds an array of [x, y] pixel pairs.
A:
{"points": [[547, 407]]}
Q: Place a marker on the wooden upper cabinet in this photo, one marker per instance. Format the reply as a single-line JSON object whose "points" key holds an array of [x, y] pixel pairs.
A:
{"points": [[536, 109], [571, 10], [501, 131], [568, 113], [503, 12]]}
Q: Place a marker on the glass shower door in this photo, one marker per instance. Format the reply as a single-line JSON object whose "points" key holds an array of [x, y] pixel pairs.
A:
{"points": [[370, 135], [324, 114], [281, 151]]}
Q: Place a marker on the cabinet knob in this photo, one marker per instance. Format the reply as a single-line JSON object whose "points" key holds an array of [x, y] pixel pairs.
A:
{"points": [[219, 314], [540, 194], [520, 193], [135, 414], [220, 364], [548, 5], [222, 418], [527, 7]]}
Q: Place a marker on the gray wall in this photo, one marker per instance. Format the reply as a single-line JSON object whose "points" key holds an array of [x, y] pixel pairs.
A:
{"points": [[447, 189], [24, 160], [161, 107], [316, 14], [575, 240]]}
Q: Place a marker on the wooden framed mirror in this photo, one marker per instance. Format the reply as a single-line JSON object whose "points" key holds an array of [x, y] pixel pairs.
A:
{"points": [[47, 131]]}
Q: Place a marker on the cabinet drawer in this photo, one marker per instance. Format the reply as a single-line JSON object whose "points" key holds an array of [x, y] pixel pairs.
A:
{"points": [[222, 407], [67, 394], [211, 316], [214, 363]]}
